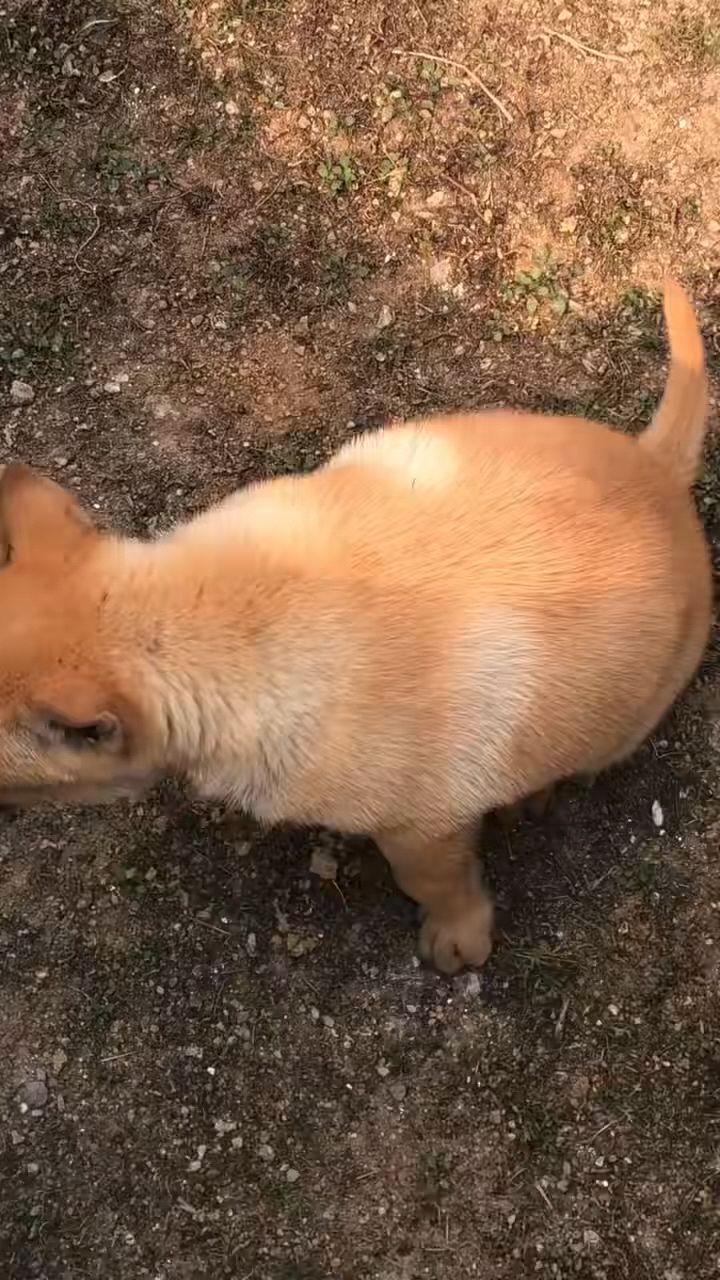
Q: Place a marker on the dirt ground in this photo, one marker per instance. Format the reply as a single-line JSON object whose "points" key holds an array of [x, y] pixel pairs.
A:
{"points": [[232, 232]]}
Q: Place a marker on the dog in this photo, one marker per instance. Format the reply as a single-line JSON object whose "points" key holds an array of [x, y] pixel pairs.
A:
{"points": [[450, 615]]}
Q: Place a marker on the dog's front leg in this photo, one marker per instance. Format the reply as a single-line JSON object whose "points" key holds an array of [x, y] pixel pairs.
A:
{"points": [[443, 875]]}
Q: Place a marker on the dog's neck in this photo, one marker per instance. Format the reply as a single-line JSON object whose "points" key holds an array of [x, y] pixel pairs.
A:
{"points": [[219, 649]]}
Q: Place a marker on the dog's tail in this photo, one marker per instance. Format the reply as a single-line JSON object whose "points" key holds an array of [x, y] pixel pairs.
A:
{"points": [[677, 431]]}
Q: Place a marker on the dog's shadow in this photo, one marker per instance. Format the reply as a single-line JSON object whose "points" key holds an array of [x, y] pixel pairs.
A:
{"points": [[326, 908], [556, 877]]}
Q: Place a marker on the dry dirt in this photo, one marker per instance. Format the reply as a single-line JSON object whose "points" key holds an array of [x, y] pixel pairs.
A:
{"points": [[231, 233]]}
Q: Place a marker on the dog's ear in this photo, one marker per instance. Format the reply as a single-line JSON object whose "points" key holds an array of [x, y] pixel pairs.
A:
{"points": [[38, 518], [101, 732], [76, 712]]}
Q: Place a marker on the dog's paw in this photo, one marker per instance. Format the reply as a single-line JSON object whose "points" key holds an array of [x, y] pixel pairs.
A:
{"points": [[451, 941]]}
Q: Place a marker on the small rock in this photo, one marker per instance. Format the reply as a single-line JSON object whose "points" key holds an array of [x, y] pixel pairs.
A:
{"points": [[251, 944], [34, 1093], [658, 816], [298, 945], [591, 1239], [385, 318], [266, 1152], [440, 272], [292, 1175], [398, 1091], [579, 1091], [323, 864], [470, 985], [112, 388], [231, 108], [437, 199], [225, 1126], [21, 392], [303, 326], [195, 1165], [59, 1059]]}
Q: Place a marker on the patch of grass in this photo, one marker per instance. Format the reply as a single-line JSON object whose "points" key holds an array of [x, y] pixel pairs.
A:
{"points": [[43, 341], [202, 134], [538, 287], [116, 164], [340, 176], [613, 209], [229, 280], [431, 73], [434, 1180], [662, 885], [638, 315], [393, 172], [344, 266], [392, 101], [693, 38], [638, 303], [707, 489], [688, 209]]}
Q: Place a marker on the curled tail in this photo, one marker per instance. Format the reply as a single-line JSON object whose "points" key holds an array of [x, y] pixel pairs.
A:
{"points": [[677, 431]]}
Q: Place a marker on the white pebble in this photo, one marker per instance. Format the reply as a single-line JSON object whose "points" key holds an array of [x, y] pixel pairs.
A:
{"points": [[21, 392]]}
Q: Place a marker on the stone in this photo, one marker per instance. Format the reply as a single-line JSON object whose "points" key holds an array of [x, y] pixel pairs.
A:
{"points": [[21, 392], [33, 1094]]}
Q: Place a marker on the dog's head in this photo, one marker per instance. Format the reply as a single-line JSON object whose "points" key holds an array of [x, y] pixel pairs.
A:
{"points": [[70, 724]]}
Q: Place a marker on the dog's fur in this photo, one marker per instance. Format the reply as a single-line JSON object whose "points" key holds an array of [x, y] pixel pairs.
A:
{"points": [[451, 615]]}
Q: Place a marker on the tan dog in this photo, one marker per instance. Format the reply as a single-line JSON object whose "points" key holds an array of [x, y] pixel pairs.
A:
{"points": [[451, 615]]}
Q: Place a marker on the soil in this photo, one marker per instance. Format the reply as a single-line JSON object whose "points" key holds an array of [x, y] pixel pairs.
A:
{"points": [[232, 233]]}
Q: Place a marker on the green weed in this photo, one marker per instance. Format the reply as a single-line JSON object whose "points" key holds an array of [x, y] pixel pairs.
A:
{"points": [[339, 176]]}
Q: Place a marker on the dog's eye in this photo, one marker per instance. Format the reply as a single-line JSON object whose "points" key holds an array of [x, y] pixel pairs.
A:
{"points": [[82, 735]]}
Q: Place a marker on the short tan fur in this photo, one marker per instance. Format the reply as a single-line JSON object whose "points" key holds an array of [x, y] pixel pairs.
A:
{"points": [[451, 615]]}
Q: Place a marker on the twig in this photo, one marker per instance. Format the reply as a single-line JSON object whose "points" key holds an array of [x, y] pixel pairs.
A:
{"points": [[98, 22], [343, 899], [609, 1125], [267, 197], [215, 927], [459, 66], [584, 48], [461, 187], [560, 1021], [543, 1194], [86, 270], [420, 14], [62, 195]]}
